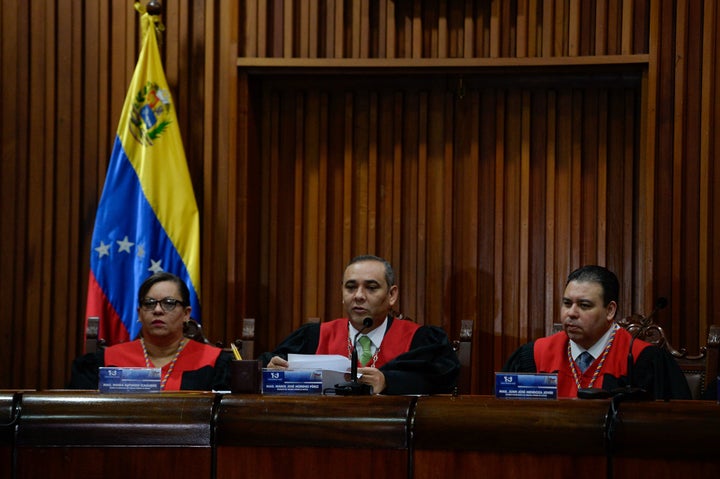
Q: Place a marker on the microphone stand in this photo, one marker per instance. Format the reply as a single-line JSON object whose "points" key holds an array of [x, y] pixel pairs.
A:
{"points": [[631, 392], [353, 387]]}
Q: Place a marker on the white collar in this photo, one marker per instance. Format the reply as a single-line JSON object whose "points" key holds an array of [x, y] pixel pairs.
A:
{"points": [[596, 349], [376, 335]]}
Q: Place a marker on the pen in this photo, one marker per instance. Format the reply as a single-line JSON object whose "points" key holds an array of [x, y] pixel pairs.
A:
{"points": [[235, 351]]}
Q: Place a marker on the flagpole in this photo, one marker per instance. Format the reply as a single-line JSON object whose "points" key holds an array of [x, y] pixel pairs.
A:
{"points": [[154, 7], [143, 226]]}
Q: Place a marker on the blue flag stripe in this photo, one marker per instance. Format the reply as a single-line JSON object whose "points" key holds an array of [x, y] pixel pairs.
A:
{"points": [[129, 242]]}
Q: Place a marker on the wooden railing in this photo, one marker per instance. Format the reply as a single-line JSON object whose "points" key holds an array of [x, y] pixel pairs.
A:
{"points": [[205, 435]]}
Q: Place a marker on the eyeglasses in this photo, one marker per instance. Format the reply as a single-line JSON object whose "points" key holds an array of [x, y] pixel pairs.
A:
{"points": [[167, 304]]}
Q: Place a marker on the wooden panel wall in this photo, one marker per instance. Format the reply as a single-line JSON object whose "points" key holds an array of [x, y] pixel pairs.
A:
{"points": [[443, 28], [66, 67], [482, 202]]}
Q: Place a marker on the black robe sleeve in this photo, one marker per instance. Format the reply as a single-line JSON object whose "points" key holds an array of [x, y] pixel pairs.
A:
{"points": [[655, 371], [430, 367], [209, 378], [85, 370], [522, 360], [86, 375], [303, 340]]}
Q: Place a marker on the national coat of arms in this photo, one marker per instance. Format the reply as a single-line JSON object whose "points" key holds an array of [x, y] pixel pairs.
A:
{"points": [[150, 113]]}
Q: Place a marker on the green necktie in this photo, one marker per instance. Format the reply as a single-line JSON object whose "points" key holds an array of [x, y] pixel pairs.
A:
{"points": [[366, 344]]}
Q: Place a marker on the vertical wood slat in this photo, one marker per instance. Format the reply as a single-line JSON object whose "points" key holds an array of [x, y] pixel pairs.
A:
{"points": [[65, 276], [525, 212], [522, 29], [551, 292], [469, 32], [391, 51], [304, 30], [560, 42], [678, 141], [297, 221], [308, 144], [601, 10], [548, 28], [627, 18], [495, 32], [530, 28], [499, 231], [37, 191], [339, 29], [534, 29], [288, 30], [602, 181], [709, 55], [261, 32], [574, 29], [313, 43], [421, 257]]}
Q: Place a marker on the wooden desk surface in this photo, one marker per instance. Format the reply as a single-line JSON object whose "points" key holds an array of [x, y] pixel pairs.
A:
{"points": [[87, 418], [314, 436], [8, 413], [87, 434], [317, 421]]}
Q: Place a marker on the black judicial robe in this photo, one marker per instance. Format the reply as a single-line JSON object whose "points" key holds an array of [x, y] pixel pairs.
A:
{"points": [[429, 366], [654, 369], [199, 367]]}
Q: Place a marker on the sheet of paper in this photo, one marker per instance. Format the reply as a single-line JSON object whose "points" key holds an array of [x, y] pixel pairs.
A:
{"points": [[329, 362]]}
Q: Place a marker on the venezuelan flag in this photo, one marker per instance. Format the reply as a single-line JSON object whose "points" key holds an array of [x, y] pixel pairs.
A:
{"points": [[147, 219]]}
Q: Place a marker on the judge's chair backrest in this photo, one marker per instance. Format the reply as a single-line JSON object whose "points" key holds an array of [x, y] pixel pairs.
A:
{"points": [[191, 330], [699, 369], [463, 349]]}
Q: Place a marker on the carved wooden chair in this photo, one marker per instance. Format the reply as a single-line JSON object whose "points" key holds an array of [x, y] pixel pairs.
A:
{"points": [[699, 369], [191, 330]]}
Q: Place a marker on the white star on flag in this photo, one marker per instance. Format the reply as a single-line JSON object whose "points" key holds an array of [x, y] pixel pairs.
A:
{"points": [[155, 267], [103, 249], [124, 245]]}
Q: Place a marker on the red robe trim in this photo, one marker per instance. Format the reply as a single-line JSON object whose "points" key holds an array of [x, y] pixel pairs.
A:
{"points": [[551, 355], [194, 355], [397, 339]]}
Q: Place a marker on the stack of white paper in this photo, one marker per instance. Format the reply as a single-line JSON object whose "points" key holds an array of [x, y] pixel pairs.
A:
{"points": [[328, 362]]}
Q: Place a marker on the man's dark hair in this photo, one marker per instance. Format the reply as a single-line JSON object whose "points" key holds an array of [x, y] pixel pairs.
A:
{"points": [[601, 275], [389, 272], [159, 278]]}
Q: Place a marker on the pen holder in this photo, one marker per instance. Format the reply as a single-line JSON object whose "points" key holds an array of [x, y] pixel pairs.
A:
{"points": [[245, 376]]}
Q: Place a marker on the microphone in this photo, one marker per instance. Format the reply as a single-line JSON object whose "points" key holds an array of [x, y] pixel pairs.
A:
{"points": [[353, 387], [629, 390]]}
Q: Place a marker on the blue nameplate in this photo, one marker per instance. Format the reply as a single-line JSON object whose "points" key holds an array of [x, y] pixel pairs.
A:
{"points": [[299, 381], [525, 386], [129, 380]]}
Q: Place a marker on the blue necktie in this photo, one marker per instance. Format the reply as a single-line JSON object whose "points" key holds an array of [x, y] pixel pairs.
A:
{"points": [[584, 361], [366, 344]]}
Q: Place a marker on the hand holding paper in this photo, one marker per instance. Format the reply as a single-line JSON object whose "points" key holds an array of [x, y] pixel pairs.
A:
{"points": [[328, 362]]}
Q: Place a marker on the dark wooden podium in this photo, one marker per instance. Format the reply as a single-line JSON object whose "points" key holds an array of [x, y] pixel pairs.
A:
{"points": [[104, 436], [9, 401], [479, 436], [313, 436], [199, 435]]}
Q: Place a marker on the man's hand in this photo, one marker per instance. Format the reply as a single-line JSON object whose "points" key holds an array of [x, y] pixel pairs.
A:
{"points": [[374, 377], [277, 363]]}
